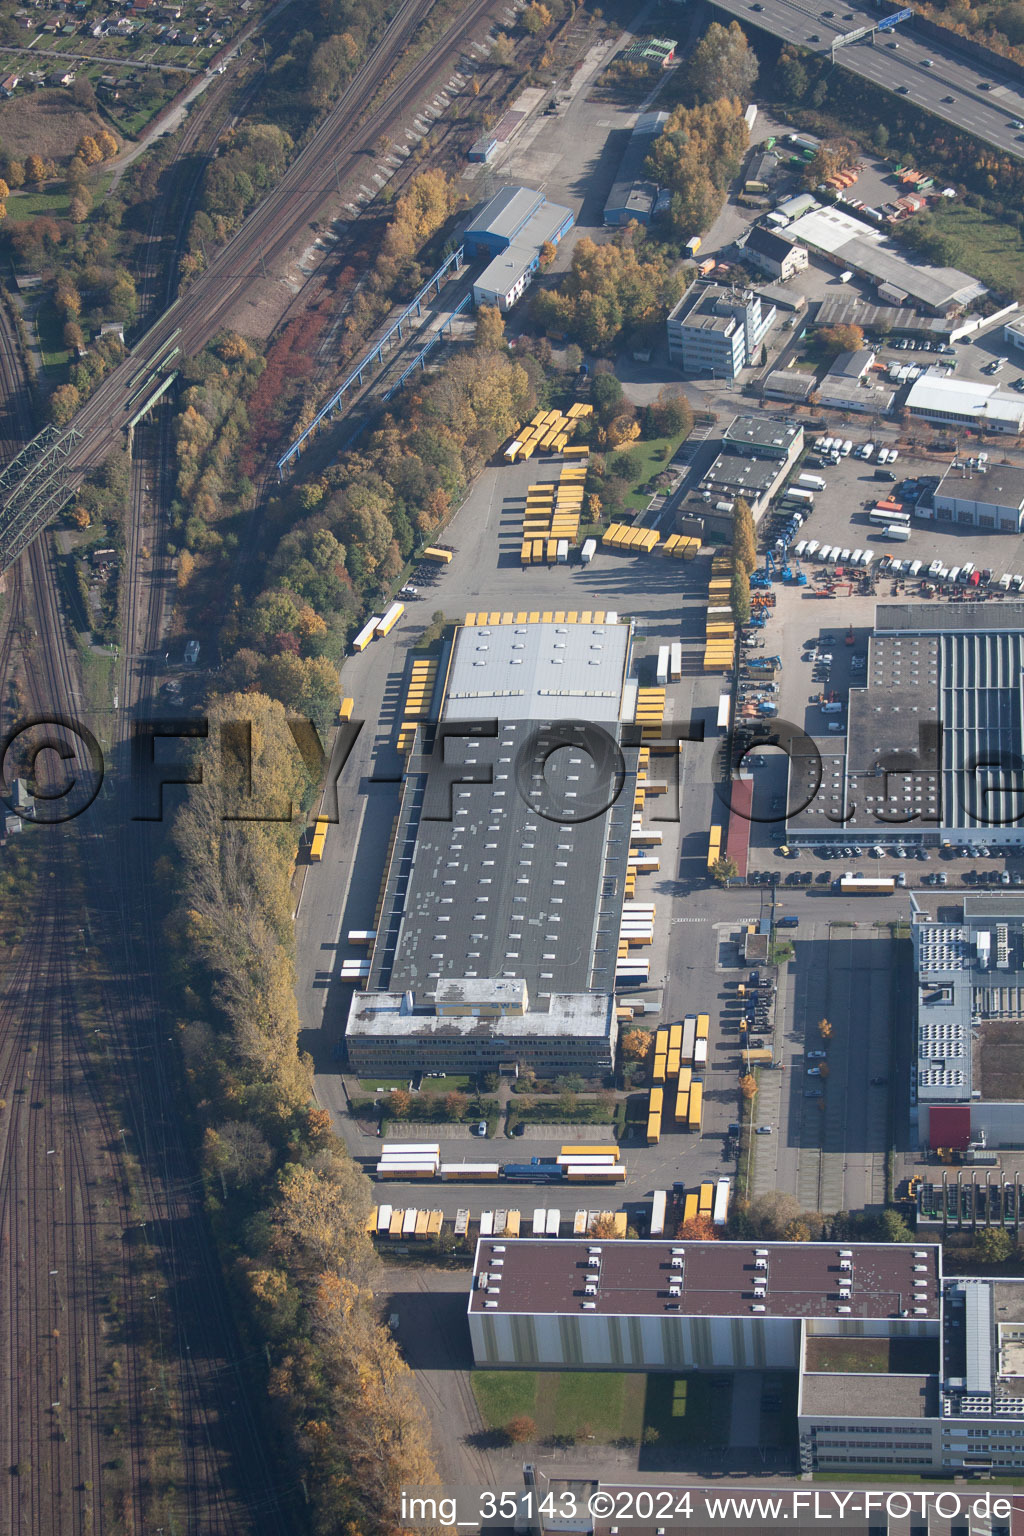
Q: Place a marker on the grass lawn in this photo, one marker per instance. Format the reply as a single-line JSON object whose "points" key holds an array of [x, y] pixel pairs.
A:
{"points": [[371, 1084], [51, 335], [996, 250], [657, 455], [97, 678], [691, 1410], [52, 200], [454, 1082], [599, 1405], [501, 1395]]}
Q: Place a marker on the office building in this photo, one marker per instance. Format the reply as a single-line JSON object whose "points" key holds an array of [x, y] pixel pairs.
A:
{"points": [[718, 331], [898, 1369]]}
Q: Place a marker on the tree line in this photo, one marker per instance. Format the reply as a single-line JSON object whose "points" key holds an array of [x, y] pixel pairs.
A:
{"points": [[288, 1204]]}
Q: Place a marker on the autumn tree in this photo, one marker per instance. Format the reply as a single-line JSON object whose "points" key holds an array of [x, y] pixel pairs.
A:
{"points": [[636, 1043], [771, 1213], [696, 155], [699, 1229], [535, 18], [520, 1430], [724, 869], [64, 402], [830, 157], [739, 595], [834, 339], [609, 288], [89, 150], [490, 329], [824, 1029], [35, 170], [797, 1231], [186, 566], [671, 414], [399, 1103], [603, 1225], [547, 253], [14, 173], [744, 536], [722, 65], [748, 1086]]}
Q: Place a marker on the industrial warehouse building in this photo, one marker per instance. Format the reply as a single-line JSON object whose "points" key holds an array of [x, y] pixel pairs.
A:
{"points": [[947, 1395], [935, 737], [970, 1023], [982, 496], [855, 246], [497, 941], [634, 196], [963, 403], [511, 229]]}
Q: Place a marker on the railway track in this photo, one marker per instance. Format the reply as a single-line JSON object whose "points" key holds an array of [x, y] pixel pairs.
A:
{"points": [[278, 221], [188, 1448]]}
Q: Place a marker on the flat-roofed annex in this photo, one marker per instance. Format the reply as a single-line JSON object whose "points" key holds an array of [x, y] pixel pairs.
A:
{"points": [[538, 672], [718, 1279]]}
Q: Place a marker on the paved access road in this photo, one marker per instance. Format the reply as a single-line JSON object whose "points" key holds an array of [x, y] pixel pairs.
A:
{"points": [[985, 113]]}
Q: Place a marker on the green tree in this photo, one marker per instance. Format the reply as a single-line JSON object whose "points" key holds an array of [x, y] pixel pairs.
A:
{"points": [[606, 394], [722, 65], [893, 1227], [739, 595], [723, 870], [744, 537], [993, 1245]]}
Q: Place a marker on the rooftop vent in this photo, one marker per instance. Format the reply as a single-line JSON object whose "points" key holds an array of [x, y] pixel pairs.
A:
{"points": [[757, 1306], [589, 1306], [842, 1309], [491, 1304]]}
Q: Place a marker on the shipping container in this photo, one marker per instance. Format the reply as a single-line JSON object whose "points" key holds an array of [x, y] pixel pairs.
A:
{"points": [[721, 1208], [366, 634], [389, 620], [695, 1119], [588, 551], [707, 1199], [691, 1206], [472, 1172], [658, 1203], [444, 556], [316, 847]]}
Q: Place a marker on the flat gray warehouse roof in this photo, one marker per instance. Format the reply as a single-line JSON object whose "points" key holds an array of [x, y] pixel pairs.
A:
{"points": [[538, 672]]}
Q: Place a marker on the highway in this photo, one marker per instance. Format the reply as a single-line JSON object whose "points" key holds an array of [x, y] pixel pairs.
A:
{"points": [[952, 86], [276, 224]]}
